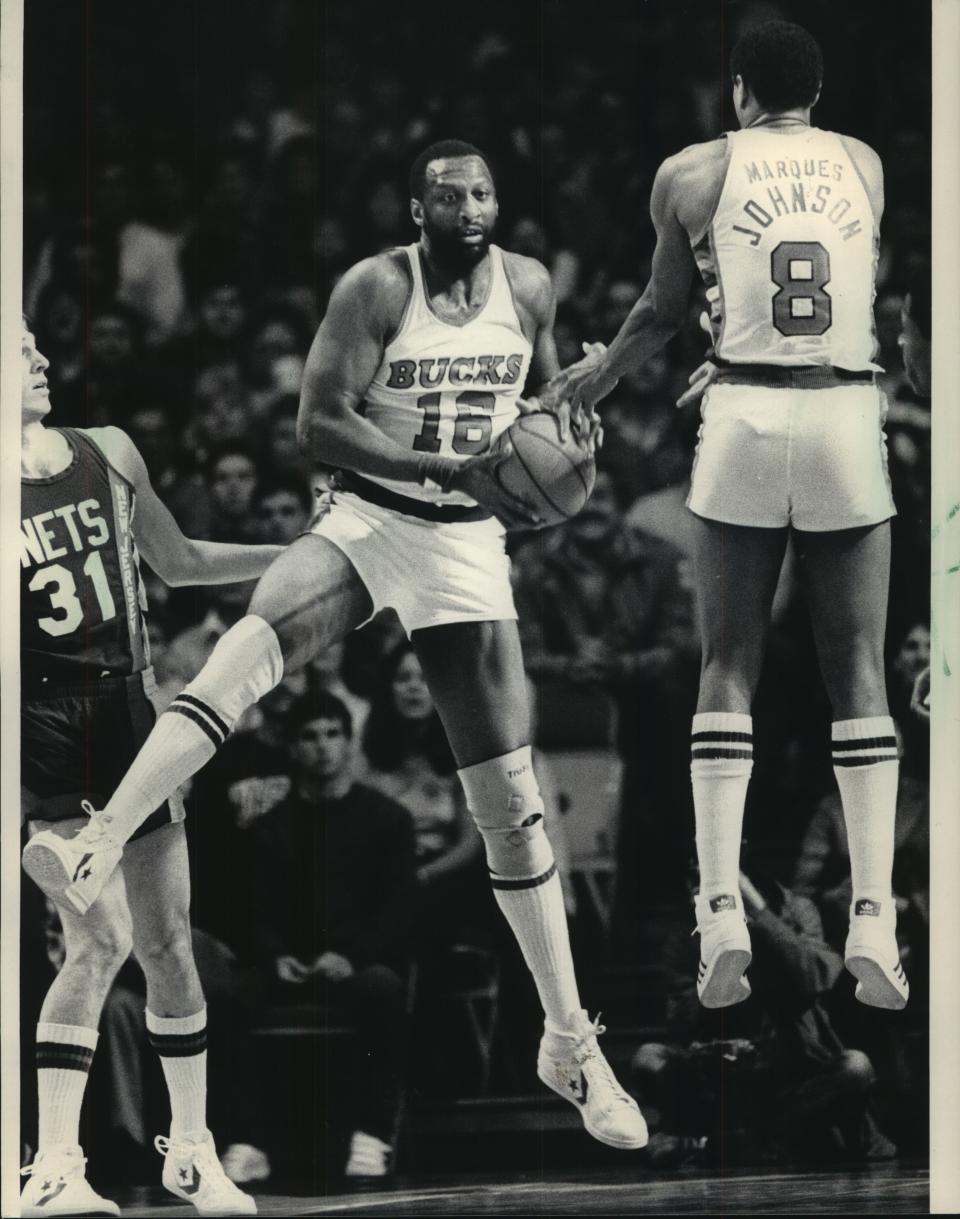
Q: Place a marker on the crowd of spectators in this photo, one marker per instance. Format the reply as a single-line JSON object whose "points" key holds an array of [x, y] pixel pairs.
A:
{"points": [[180, 248]]}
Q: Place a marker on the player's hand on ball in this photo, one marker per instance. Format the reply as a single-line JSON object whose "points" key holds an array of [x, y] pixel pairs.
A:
{"points": [[478, 479]]}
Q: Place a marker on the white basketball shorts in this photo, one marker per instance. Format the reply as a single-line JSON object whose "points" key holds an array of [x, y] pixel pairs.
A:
{"points": [[815, 459], [431, 573]]}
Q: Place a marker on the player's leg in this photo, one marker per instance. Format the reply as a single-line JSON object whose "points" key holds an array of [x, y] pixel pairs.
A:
{"points": [[736, 570], [310, 597], [67, 1037], [476, 677], [845, 576], [157, 874]]}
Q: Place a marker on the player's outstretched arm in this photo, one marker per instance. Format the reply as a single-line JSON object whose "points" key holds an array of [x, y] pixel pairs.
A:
{"points": [[176, 559]]}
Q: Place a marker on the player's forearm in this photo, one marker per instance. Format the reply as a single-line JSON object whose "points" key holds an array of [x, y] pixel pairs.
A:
{"points": [[645, 330], [341, 437], [218, 563]]}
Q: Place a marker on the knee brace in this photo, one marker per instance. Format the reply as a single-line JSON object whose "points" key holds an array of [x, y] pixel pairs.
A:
{"points": [[504, 799], [245, 664]]}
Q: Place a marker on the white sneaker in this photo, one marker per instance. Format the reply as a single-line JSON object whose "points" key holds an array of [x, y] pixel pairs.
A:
{"points": [[872, 956], [58, 1185], [724, 951], [243, 1163], [73, 870], [192, 1171], [369, 1156], [571, 1064]]}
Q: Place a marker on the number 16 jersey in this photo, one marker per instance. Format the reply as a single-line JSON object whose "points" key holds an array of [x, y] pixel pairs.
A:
{"points": [[81, 596], [789, 256], [446, 388]]}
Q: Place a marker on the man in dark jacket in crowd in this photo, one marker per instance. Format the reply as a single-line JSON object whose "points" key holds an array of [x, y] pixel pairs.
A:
{"points": [[771, 1073], [333, 878]]}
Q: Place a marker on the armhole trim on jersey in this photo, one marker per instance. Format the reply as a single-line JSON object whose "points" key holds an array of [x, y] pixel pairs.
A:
{"points": [[412, 255], [863, 181], [512, 296], [727, 154]]}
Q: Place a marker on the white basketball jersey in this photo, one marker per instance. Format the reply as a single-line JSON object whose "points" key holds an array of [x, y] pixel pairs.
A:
{"points": [[448, 389], [789, 256]]}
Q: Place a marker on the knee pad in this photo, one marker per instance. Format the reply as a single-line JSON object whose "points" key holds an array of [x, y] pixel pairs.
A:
{"points": [[245, 664], [504, 799]]}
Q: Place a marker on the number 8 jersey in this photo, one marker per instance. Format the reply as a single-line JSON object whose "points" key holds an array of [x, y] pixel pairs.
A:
{"points": [[81, 595], [446, 388], [789, 255]]}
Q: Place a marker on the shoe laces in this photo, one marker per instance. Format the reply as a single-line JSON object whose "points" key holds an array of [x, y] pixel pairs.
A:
{"points": [[94, 833], [38, 1166], [588, 1056], [202, 1152]]}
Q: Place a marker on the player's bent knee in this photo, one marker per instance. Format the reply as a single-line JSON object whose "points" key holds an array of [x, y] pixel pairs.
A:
{"points": [[100, 949], [170, 942], [246, 663], [504, 798]]}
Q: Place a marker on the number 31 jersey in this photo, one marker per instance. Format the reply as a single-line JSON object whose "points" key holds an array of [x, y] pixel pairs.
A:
{"points": [[448, 389], [81, 595], [789, 257]]}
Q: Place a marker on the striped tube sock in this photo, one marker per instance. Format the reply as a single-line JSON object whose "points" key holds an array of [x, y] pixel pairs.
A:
{"points": [[64, 1055], [533, 906], [244, 665], [721, 759], [867, 769], [181, 1042]]}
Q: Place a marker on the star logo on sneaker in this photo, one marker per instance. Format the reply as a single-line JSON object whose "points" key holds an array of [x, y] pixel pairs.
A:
{"points": [[80, 866], [577, 1086], [866, 906], [49, 1197], [189, 1179], [726, 901]]}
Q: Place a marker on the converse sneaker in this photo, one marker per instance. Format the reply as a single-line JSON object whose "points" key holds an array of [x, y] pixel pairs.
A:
{"points": [[571, 1064], [58, 1185], [73, 871], [872, 956], [369, 1156], [192, 1171], [724, 951]]}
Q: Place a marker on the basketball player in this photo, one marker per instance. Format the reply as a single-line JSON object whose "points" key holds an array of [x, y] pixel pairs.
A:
{"points": [[415, 370], [782, 221], [87, 688]]}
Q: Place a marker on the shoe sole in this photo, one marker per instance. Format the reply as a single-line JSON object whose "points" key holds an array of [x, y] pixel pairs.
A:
{"points": [[45, 866], [725, 984], [619, 1144], [227, 1209], [874, 987]]}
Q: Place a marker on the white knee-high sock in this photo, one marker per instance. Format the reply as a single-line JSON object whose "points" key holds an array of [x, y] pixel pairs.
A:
{"points": [[503, 796], [867, 768], [721, 760], [64, 1055], [181, 1042], [244, 665]]}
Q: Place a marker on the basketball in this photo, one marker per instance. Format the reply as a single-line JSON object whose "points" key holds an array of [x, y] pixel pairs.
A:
{"points": [[553, 476]]}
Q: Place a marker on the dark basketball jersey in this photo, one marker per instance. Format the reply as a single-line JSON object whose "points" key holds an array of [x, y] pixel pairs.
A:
{"points": [[82, 601]]}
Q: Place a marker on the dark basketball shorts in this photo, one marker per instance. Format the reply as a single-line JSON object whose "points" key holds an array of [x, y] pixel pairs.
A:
{"points": [[77, 742]]}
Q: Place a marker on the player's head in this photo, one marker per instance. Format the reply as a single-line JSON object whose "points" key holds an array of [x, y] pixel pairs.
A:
{"points": [[776, 67], [319, 729], [454, 201], [914, 337], [34, 391]]}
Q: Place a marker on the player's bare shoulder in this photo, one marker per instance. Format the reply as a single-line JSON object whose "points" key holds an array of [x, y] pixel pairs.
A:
{"points": [[377, 289], [532, 288], [688, 184]]}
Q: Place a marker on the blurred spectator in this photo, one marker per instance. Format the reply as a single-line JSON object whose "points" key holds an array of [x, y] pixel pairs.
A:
{"points": [[770, 1074], [281, 452], [188, 652], [325, 673], [281, 507], [332, 897], [232, 480]]}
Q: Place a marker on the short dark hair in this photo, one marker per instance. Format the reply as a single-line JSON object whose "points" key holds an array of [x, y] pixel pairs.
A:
{"points": [[441, 149], [288, 483], [319, 706], [780, 63]]}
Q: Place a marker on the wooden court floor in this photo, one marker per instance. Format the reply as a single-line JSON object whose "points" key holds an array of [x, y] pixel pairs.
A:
{"points": [[886, 1189]]}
